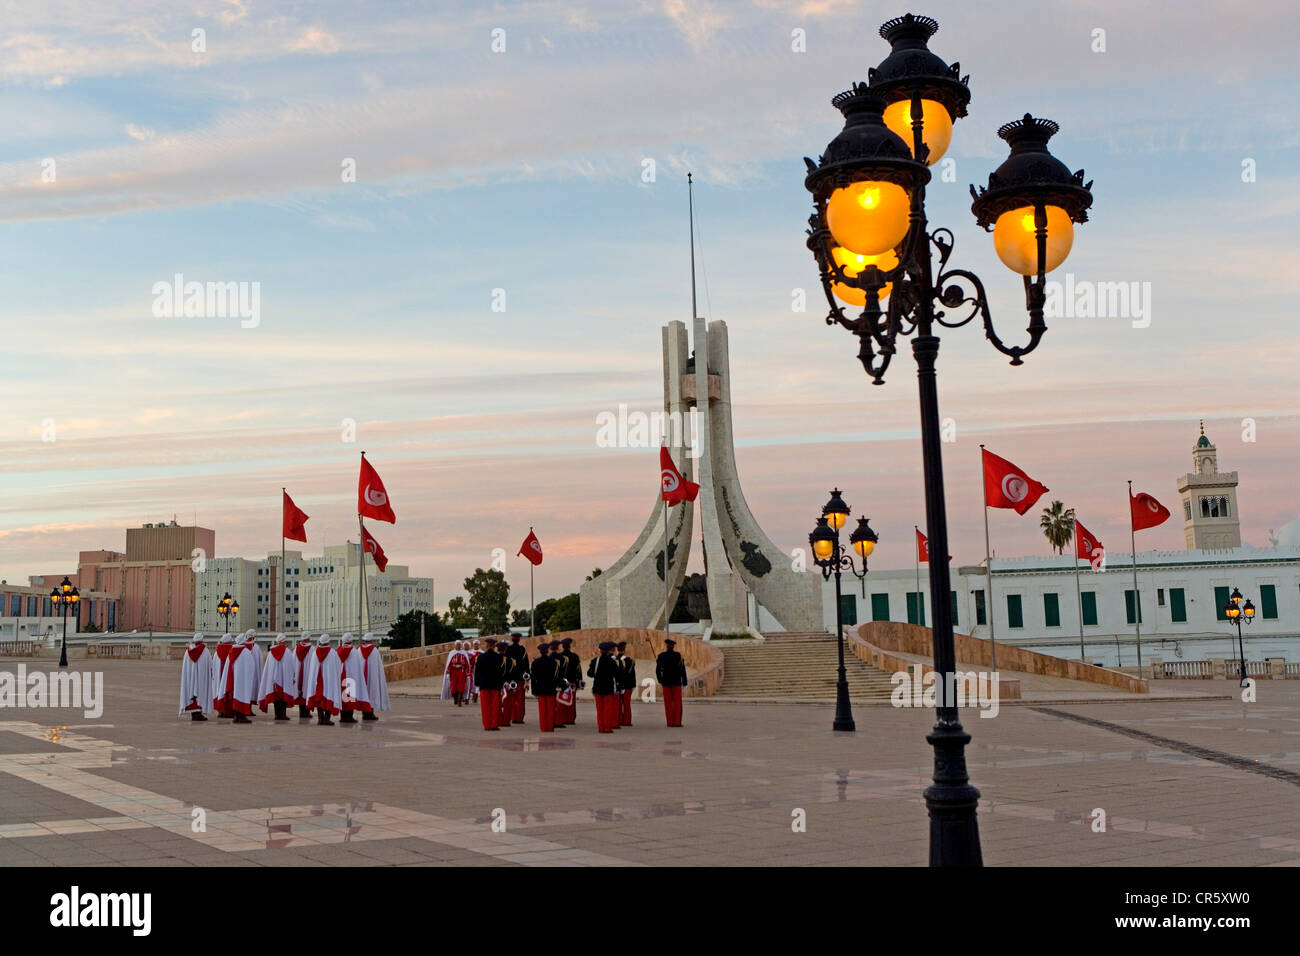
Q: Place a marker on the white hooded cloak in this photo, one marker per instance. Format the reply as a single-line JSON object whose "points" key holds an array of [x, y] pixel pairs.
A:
{"points": [[323, 683], [373, 667], [196, 678]]}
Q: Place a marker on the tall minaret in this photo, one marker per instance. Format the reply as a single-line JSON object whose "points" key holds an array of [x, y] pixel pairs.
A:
{"points": [[1210, 518]]}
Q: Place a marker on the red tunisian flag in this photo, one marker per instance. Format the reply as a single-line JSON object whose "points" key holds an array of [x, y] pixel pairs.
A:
{"points": [[1006, 486], [923, 548], [1146, 511], [372, 499], [372, 547], [295, 519], [531, 549], [1087, 546], [674, 488]]}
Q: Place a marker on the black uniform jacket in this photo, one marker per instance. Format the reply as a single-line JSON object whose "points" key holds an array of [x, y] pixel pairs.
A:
{"points": [[489, 671], [603, 671], [544, 676], [670, 671]]}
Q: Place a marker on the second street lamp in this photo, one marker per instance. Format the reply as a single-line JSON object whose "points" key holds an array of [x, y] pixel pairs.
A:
{"points": [[226, 607], [63, 597], [871, 241], [1236, 611], [825, 543]]}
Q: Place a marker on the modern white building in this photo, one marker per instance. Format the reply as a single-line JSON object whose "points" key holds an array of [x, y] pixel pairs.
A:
{"points": [[320, 593]]}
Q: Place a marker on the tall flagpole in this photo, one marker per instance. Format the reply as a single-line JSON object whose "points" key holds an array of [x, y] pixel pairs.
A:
{"points": [[667, 610], [988, 568], [362, 596], [1137, 598], [532, 598], [1078, 590], [279, 611], [917, 541]]}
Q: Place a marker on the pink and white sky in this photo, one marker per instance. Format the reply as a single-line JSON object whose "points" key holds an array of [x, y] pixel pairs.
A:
{"points": [[522, 171]]}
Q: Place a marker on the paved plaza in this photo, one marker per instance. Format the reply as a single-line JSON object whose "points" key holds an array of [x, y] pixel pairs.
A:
{"points": [[1182, 782]]}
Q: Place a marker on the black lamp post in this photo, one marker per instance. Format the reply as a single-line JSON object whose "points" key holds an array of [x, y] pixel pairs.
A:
{"points": [[226, 607], [825, 543], [1236, 611], [869, 236], [63, 597]]}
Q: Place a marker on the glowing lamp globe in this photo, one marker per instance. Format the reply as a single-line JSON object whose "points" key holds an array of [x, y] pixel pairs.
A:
{"points": [[1014, 237], [869, 217], [864, 548], [823, 549], [936, 126], [853, 264]]}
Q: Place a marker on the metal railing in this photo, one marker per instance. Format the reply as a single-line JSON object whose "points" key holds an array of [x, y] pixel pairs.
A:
{"points": [[20, 648], [1187, 669]]}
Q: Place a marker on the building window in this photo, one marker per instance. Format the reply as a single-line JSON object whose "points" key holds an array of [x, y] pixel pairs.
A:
{"points": [[1268, 601], [916, 608], [1187, 510], [849, 608], [1220, 602], [981, 615], [1052, 609], [1160, 597], [880, 607], [1015, 613], [1089, 601], [1177, 606], [1128, 608]]}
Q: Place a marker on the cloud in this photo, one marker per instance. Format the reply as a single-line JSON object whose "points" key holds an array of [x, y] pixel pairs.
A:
{"points": [[314, 40]]}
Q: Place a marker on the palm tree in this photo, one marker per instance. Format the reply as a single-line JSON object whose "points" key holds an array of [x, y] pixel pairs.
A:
{"points": [[1058, 525]]}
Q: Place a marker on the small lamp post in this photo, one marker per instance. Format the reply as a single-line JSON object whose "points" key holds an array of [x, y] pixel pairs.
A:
{"points": [[63, 597], [226, 607], [827, 555], [1236, 610]]}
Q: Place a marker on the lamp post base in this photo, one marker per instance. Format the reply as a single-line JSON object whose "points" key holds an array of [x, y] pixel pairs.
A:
{"points": [[843, 712], [951, 800]]}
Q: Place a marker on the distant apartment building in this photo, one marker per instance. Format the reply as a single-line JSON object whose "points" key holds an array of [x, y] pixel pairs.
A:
{"points": [[320, 593], [28, 614], [151, 583]]}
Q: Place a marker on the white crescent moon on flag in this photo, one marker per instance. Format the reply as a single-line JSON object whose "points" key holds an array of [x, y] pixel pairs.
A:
{"points": [[536, 546], [1151, 503], [376, 498], [1014, 488], [670, 481]]}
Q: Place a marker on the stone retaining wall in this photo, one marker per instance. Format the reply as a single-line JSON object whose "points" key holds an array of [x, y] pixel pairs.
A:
{"points": [[973, 651]]}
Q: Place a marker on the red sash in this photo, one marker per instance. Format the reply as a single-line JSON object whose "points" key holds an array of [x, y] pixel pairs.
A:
{"points": [[196, 651]]}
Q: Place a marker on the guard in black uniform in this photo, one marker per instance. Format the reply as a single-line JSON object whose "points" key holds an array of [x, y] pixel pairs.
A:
{"points": [[670, 671], [489, 670], [517, 670], [626, 683], [542, 681], [572, 672], [604, 673]]}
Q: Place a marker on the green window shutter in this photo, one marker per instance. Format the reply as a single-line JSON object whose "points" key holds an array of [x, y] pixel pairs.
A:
{"points": [[849, 608], [1268, 601], [1090, 608], [981, 615], [1052, 609], [1177, 606], [916, 608], [1015, 614], [954, 608], [1128, 608], [880, 607], [1220, 602]]}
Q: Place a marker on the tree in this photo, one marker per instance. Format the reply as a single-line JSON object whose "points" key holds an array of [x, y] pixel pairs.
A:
{"points": [[405, 632], [489, 600], [91, 628], [595, 573], [1058, 525], [566, 616], [458, 614], [543, 613], [519, 618]]}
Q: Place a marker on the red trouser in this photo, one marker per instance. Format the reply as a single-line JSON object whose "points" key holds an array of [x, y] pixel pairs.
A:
{"points": [[521, 695], [625, 708], [673, 705], [489, 702], [546, 712], [567, 713], [603, 713], [507, 707]]}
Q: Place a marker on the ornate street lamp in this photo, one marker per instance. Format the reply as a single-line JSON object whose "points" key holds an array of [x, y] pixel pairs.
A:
{"points": [[63, 597], [825, 543], [1236, 611], [226, 607], [874, 251]]}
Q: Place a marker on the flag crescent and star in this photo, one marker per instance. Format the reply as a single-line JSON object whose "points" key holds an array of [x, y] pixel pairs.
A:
{"points": [[531, 549], [673, 487]]}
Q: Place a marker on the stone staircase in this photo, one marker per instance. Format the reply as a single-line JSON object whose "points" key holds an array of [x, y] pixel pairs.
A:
{"points": [[797, 666]]}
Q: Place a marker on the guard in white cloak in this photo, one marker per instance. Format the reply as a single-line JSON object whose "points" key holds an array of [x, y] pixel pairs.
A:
{"points": [[219, 658], [238, 690], [356, 694], [279, 683], [250, 642], [300, 652], [376, 681], [322, 685], [196, 680]]}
